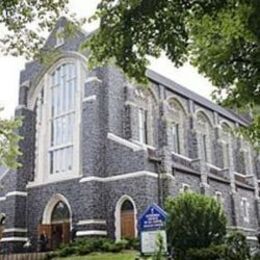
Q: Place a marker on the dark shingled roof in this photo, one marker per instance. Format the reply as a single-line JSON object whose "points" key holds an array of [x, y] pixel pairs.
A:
{"points": [[177, 88]]}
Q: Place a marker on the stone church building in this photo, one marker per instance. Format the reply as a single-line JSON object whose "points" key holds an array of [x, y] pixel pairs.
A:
{"points": [[97, 150]]}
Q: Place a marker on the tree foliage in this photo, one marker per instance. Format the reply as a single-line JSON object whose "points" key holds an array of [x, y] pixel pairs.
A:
{"points": [[26, 22], [9, 149], [194, 221], [220, 37]]}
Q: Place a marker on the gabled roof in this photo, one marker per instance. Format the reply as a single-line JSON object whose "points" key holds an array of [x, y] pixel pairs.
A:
{"points": [[177, 88]]}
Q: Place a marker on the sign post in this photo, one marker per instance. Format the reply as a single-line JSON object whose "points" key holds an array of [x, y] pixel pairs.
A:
{"points": [[151, 227]]}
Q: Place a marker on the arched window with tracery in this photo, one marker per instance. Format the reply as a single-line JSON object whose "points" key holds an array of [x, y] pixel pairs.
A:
{"points": [[146, 116], [204, 130], [56, 102], [63, 87], [176, 127]]}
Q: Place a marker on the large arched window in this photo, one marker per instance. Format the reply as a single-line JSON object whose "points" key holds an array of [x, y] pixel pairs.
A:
{"points": [[146, 114], [176, 128], [204, 129], [57, 103], [63, 86]]}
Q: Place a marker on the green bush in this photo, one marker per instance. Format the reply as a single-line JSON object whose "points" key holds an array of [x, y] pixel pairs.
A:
{"points": [[256, 256], [133, 243], [237, 247], [111, 246], [84, 249], [86, 246], [67, 251], [194, 221], [210, 253]]}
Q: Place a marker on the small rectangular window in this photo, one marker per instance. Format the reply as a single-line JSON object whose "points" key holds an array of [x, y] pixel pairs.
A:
{"points": [[219, 197], [175, 138], [226, 155], [204, 147], [185, 188], [60, 37], [245, 209], [142, 125]]}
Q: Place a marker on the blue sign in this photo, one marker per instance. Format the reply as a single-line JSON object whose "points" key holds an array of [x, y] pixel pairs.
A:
{"points": [[153, 218]]}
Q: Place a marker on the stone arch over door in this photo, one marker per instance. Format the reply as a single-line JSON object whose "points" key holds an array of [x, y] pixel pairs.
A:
{"points": [[125, 214], [47, 214], [56, 221]]}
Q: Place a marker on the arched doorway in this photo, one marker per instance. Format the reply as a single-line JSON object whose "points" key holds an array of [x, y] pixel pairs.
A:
{"points": [[125, 218], [60, 225], [56, 222]]}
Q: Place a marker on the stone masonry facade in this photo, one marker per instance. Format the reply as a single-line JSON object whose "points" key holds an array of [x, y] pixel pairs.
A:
{"points": [[115, 162]]}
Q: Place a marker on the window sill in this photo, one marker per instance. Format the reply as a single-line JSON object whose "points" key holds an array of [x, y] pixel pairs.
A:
{"points": [[52, 180], [182, 156], [143, 145]]}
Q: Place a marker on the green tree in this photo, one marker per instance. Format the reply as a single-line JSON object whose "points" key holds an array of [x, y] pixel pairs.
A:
{"points": [[23, 21], [220, 37], [9, 149], [194, 221]]}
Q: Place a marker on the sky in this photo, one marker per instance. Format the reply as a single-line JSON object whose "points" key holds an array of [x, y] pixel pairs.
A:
{"points": [[10, 67]]}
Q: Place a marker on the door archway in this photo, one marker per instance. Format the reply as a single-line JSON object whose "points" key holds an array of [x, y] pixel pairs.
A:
{"points": [[56, 222], [125, 218]]}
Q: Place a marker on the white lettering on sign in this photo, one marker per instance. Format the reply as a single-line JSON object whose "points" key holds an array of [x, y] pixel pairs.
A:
{"points": [[149, 241]]}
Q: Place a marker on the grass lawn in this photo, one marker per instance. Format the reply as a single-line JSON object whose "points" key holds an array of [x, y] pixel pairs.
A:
{"points": [[125, 255]]}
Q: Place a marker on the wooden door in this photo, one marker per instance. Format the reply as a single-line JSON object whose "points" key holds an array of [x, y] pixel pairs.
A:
{"points": [[66, 233], [127, 224], [48, 231]]}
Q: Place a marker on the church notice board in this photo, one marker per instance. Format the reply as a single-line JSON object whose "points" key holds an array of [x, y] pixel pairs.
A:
{"points": [[151, 226]]}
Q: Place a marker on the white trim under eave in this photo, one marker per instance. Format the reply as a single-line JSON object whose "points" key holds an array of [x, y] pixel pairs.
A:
{"points": [[91, 233], [124, 142], [93, 79], [2, 198], [89, 98], [241, 228], [16, 193], [15, 239], [252, 238], [21, 230], [92, 221], [120, 177]]}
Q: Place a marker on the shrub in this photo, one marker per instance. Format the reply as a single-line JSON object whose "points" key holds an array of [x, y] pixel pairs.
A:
{"points": [[256, 256], [133, 243], [237, 247], [67, 251], [194, 221], [84, 249], [211, 253]]}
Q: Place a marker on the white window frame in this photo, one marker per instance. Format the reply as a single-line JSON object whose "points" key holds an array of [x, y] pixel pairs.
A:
{"points": [[142, 128], [176, 138], [60, 37], [41, 174], [185, 188], [218, 194], [58, 150]]}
